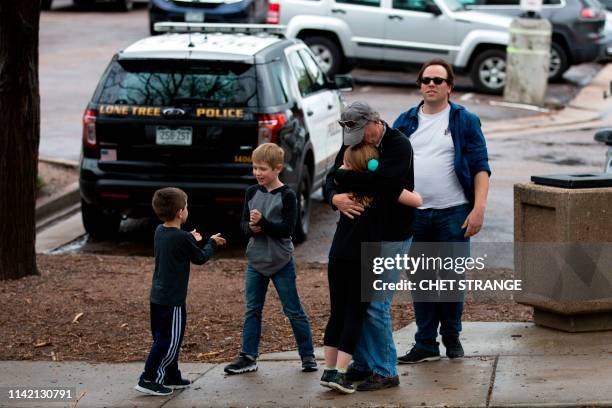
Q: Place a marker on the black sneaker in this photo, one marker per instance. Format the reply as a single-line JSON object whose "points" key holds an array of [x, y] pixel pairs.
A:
{"points": [[378, 382], [152, 388], [418, 355], [340, 383], [453, 346], [309, 364], [355, 375], [177, 384], [328, 375], [242, 364]]}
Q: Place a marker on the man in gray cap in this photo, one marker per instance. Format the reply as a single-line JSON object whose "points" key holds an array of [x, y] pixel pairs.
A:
{"points": [[375, 358]]}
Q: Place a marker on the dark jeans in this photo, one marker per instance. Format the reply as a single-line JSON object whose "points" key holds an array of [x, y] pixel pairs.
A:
{"points": [[168, 328], [432, 225], [347, 310], [255, 297]]}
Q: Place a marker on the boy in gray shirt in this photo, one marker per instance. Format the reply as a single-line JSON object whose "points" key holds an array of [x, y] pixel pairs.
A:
{"points": [[268, 218]]}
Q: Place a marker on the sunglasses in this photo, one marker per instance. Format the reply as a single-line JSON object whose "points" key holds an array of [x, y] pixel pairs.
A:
{"points": [[347, 124], [436, 80]]}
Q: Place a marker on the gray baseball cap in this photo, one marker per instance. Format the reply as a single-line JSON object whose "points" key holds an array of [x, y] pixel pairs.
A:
{"points": [[354, 119]]}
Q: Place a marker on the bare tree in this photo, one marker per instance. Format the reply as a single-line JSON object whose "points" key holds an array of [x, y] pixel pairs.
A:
{"points": [[19, 136]]}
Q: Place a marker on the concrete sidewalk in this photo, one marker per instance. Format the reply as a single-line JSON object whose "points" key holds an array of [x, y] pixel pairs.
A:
{"points": [[506, 364]]}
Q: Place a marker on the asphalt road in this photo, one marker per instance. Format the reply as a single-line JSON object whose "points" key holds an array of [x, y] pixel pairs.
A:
{"points": [[76, 45]]}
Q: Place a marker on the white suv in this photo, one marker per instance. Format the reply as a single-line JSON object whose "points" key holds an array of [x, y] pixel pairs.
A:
{"points": [[342, 33]]}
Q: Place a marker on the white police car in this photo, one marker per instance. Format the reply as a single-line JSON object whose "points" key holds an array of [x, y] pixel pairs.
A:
{"points": [[187, 108]]}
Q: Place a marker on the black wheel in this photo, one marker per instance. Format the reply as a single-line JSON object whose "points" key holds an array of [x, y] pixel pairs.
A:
{"points": [[98, 223], [489, 71], [328, 54], [303, 198], [45, 4], [559, 63], [124, 5]]}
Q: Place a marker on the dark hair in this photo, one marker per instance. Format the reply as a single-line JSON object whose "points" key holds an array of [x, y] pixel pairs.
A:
{"points": [[168, 201], [450, 75]]}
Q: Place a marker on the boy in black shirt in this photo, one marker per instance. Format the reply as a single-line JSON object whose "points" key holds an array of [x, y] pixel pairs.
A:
{"points": [[174, 250]]}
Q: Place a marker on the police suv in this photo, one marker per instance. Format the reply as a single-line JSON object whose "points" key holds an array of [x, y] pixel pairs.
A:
{"points": [[187, 108]]}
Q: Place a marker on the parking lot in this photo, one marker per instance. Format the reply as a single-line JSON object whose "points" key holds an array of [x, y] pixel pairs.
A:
{"points": [[76, 46]]}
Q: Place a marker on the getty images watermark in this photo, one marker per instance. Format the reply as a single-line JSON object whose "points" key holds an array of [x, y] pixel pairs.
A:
{"points": [[438, 272]]}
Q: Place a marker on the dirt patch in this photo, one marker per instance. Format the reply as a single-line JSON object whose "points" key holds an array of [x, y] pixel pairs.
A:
{"points": [[55, 177], [96, 308]]}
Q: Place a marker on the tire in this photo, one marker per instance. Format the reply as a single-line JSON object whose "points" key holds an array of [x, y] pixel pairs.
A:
{"points": [[303, 207], [98, 223], [125, 5], [328, 54], [46, 5], [559, 63], [489, 71]]}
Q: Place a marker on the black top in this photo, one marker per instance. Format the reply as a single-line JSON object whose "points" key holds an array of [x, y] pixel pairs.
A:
{"points": [[174, 250], [395, 172]]}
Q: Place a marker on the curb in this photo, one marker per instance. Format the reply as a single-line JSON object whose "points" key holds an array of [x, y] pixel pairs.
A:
{"points": [[584, 108], [52, 208], [67, 197]]}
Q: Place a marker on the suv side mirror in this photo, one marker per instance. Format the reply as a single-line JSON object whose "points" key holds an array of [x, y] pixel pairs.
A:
{"points": [[604, 136], [433, 9], [344, 82]]}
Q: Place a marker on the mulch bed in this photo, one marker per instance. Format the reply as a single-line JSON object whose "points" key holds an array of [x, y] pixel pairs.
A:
{"points": [[96, 308]]}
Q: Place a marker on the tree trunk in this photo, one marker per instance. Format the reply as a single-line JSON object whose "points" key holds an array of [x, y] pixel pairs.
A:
{"points": [[19, 136]]}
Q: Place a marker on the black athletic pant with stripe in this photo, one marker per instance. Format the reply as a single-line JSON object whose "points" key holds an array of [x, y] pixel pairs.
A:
{"points": [[168, 328]]}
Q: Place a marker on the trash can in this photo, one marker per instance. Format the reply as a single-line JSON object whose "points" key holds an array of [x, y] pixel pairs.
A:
{"points": [[563, 250]]}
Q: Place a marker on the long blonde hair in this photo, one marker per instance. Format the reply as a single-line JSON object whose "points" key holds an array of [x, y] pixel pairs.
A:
{"points": [[357, 158]]}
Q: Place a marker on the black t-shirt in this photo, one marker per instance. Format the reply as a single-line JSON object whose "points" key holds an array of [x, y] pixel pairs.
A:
{"points": [[174, 250]]}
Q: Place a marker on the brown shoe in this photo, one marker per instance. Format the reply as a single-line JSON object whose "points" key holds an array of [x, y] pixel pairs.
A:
{"points": [[378, 382]]}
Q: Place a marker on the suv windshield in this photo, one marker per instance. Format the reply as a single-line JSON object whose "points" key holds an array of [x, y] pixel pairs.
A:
{"points": [[172, 83]]}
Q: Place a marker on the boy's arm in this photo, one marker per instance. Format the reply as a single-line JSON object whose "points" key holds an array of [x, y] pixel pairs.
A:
{"points": [[199, 255], [283, 229]]}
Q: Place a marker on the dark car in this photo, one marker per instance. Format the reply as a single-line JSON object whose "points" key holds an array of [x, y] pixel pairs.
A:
{"points": [[123, 5], [577, 28], [187, 111], [209, 11]]}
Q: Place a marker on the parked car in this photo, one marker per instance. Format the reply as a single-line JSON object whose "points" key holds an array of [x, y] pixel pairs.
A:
{"points": [[577, 28], [187, 110], [210, 11], [123, 5], [399, 33], [605, 136], [607, 52]]}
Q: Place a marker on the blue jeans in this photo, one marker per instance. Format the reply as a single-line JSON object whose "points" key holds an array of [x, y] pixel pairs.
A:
{"points": [[444, 225], [376, 350], [255, 296]]}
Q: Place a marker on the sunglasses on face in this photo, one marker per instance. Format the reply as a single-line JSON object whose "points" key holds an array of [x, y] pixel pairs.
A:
{"points": [[436, 80], [347, 124]]}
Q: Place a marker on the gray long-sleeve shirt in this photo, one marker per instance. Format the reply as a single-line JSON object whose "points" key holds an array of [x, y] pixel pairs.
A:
{"points": [[269, 251]]}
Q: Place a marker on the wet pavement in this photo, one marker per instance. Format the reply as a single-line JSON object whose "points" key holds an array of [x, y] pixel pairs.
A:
{"points": [[76, 45]]}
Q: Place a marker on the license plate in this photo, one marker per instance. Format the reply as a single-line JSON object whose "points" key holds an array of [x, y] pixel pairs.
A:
{"points": [[194, 17], [178, 137]]}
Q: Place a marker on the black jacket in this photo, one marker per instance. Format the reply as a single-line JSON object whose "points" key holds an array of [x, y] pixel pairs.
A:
{"points": [[394, 173]]}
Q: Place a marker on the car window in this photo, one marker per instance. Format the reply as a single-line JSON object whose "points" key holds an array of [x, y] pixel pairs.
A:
{"points": [[301, 73], [316, 75], [412, 5], [274, 91], [171, 83], [372, 3]]}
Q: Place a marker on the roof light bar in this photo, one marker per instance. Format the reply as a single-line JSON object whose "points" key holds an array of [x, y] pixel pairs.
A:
{"points": [[168, 27]]}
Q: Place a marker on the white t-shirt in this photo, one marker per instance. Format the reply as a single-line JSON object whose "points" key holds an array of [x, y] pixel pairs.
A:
{"points": [[434, 156]]}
